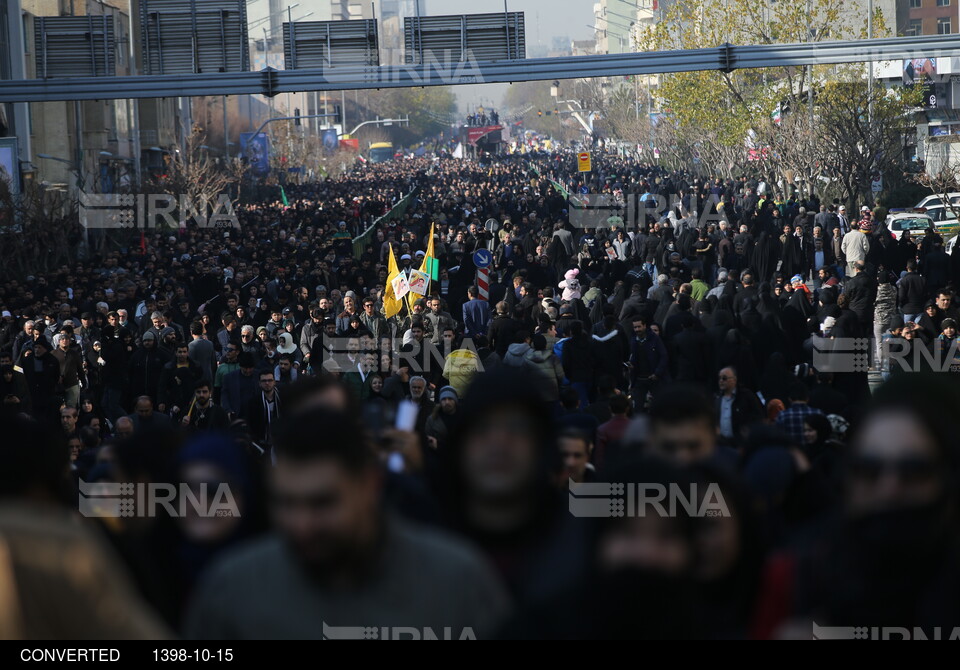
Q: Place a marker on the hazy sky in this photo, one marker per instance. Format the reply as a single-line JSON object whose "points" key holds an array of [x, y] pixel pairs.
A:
{"points": [[544, 20]]}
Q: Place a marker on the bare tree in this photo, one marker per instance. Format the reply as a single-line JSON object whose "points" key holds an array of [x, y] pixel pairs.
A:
{"points": [[192, 173], [943, 179], [39, 230]]}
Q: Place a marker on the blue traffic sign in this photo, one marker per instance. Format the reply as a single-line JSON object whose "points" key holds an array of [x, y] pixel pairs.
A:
{"points": [[483, 258]]}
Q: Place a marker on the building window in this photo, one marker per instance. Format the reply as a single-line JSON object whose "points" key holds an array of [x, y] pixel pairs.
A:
{"points": [[915, 4], [914, 28], [943, 3], [944, 27]]}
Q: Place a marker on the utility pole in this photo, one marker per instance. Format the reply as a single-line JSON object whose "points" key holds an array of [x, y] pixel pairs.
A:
{"points": [[810, 37], [870, 64], [226, 132]]}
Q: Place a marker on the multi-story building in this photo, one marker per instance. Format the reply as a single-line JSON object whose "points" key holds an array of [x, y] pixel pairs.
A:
{"points": [[14, 118], [94, 144], [938, 121], [614, 24], [927, 17]]}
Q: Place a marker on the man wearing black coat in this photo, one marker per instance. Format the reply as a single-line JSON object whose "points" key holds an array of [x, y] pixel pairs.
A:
{"points": [[42, 372], [737, 407], [912, 293]]}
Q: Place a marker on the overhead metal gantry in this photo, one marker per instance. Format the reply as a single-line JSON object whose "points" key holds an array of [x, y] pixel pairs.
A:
{"points": [[434, 73]]}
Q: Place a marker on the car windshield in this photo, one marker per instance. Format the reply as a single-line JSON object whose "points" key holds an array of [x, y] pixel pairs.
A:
{"points": [[919, 223]]}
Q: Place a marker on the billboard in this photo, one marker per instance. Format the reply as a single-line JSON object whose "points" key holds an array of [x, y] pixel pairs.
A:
{"points": [[474, 135], [256, 150], [330, 140], [10, 163], [919, 70]]}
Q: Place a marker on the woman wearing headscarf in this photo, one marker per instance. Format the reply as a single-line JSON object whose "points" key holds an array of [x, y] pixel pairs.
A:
{"points": [[601, 601], [766, 255], [791, 251]]}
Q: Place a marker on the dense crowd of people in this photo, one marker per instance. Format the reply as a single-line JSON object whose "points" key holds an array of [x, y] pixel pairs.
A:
{"points": [[419, 472]]}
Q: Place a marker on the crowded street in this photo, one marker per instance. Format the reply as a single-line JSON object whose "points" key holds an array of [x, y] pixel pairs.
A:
{"points": [[479, 370]]}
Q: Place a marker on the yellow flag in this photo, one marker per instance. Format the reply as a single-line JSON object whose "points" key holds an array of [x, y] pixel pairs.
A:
{"points": [[391, 306], [429, 265]]}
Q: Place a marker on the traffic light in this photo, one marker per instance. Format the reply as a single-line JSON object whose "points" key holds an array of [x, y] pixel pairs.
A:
{"points": [[338, 119], [557, 111], [539, 112], [296, 114]]}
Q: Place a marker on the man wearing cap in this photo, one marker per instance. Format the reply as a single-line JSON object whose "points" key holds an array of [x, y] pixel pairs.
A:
{"points": [[722, 277], [168, 340], [325, 345], [441, 421], [87, 330], [311, 330], [70, 360], [947, 341], [842, 223], [275, 324]]}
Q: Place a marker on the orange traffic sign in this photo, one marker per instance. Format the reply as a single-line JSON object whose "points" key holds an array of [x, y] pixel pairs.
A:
{"points": [[583, 162]]}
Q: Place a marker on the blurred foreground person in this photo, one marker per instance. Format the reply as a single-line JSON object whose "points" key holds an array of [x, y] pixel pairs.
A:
{"points": [[336, 563], [893, 560], [501, 484], [58, 580], [639, 577]]}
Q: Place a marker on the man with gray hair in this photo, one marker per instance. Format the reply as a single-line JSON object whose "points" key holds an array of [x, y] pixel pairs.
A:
{"points": [[124, 321], [123, 428], [24, 339], [722, 277], [420, 395], [158, 325], [661, 282], [250, 343]]}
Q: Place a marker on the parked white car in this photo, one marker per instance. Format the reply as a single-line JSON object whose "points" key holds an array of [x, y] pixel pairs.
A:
{"points": [[942, 213], [937, 200]]}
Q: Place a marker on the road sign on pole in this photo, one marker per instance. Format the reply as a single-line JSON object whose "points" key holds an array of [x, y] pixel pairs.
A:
{"points": [[584, 162], [483, 258]]}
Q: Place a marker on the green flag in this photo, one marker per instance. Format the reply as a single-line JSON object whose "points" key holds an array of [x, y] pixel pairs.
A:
{"points": [[283, 195], [559, 187]]}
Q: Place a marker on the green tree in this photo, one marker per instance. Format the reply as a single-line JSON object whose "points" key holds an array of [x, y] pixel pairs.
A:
{"points": [[756, 119], [429, 108]]}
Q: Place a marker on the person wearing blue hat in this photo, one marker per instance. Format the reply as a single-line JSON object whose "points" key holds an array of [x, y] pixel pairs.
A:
{"points": [[443, 417]]}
